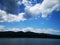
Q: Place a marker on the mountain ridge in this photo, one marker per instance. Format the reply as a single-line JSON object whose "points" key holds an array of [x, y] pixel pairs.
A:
{"points": [[21, 34]]}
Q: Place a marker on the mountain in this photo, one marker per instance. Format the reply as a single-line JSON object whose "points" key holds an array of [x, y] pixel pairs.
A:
{"points": [[20, 34]]}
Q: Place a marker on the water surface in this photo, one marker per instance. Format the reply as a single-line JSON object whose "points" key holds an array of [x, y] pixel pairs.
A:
{"points": [[29, 41]]}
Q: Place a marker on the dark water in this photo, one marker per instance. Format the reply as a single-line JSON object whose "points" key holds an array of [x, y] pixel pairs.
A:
{"points": [[29, 41]]}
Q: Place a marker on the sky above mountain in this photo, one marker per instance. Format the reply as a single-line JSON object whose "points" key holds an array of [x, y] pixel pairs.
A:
{"points": [[40, 16]]}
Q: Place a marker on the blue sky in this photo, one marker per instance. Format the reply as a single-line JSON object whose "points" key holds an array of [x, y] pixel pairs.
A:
{"points": [[30, 15]]}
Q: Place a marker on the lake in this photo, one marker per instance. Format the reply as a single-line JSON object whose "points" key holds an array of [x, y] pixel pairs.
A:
{"points": [[29, 41]]}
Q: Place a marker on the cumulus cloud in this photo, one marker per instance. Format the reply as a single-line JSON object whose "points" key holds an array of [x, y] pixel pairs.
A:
{"points": [[4, 17], [11, 7], [45, 8]]}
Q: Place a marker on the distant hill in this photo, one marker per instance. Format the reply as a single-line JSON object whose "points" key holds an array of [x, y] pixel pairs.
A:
{"points": [[10, 34]]}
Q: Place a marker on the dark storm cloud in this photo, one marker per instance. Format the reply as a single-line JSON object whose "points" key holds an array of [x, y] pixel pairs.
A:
{"points": [[10, 6]]}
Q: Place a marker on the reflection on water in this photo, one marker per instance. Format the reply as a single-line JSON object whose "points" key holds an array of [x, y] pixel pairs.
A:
{"points": [[29, 41]]}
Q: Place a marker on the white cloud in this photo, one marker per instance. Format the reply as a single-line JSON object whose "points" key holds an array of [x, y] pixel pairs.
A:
{"points": [[45, 8], [14, 29], [4, 17], [19, 2], [2, 28], [39, 30], [36, 30], [27, 3]]}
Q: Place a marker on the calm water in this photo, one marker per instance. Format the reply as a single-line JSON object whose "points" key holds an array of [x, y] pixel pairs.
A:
{"points": [[29, 41]]}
